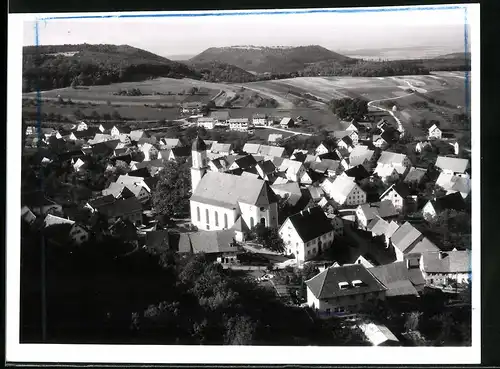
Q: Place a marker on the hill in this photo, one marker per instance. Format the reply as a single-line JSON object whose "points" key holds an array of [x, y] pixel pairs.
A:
{"points": [[59, 66], [222, 72], [269, 59], [454, 56]]}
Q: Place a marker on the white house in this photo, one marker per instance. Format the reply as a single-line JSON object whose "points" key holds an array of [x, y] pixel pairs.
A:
{"points": [[82, 126], [443, 268], [366, 212], [361, 155], [344, 191], [219, 199], [259, 120], [386, 173], [410, 243], [303, 240], [150, 152], [398, 194], [399, 161], [294, 170], [221, 117], [343, 289], [352, 134], [433, 207], [454, 166], [455, 183], [287, 123], [434, 133], [206, 122], [239, 124], [324, 148]]}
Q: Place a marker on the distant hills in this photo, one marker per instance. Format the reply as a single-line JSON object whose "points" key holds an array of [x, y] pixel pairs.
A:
{"points": [[269, 59], [464, 55], [50, 67]]}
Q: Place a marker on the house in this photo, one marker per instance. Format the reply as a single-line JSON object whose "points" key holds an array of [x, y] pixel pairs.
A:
{"points": [[361, 155], [118, 191], [79, 233], [221, 117], [326, 167], [39, 204], [150, 152], [127, 209], [27, 215], [387, 138], [444, 268], [453, 166], [95, 204], [219, 199], [157, 241], [287, 123], [239, 124], [346, 144], [453, 201], [218, 165], [274, 137], [106, 128], [358, 173], [164, 154], [315, 193], [379, 335], [251, 148], [294, 170], [191, 107], [206, 122], [349, 126], [434, 133], [415, 176], [344, 191], [138, 190], [244, 163], [65, 230], [402, 278], [179, 153], [454, 183], [408, 242], [259, 120], [367, 212], [169, 143], [420, 146], [398, 194], [271, 151], [120, 130], [218, 245], [337, 224], [387, 173], [343, 289], [288, 191], [137, 134], [221, 148], [388, 231], [105, 148], [265, 169], [352, 134], [303, 240], [80, 164], [324, 148], [399, 161]]}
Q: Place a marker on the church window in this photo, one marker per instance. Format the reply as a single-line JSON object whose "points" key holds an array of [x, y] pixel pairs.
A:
{"points": [[207, 215], [225, 220], [198, 215], [252, 222], [216, 219], [263, 221]]}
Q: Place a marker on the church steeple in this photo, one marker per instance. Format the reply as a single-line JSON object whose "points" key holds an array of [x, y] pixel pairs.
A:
{"points": [[200, 162]]}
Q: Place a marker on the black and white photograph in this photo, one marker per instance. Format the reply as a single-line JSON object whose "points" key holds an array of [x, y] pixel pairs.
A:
{"points": [[244, 187]]}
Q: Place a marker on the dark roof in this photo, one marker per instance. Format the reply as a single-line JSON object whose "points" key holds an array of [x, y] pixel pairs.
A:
{"points": [[181, 151], [126, 158], [36, 199], [160, 163], [151, 182], [325, 285], [453, 201], [82, 134], [101, 201], [398, 279], [107, 125], [401, 188], [311, 223], [124, 228], [389, 135], [358, 172], [105, 148], [300, 156], [245, 162], [122, 207], [124, 129], [347, 140], [141, 172], [158, 240], [199, 145], [333, 155], [70, 155]]}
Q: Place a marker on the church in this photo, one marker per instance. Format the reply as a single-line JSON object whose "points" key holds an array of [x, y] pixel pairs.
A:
{"points": [[224, 201]]}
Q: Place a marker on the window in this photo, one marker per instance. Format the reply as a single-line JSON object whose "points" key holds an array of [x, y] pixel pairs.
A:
{"points": [[308, 252], [207, 215], [216, 219], [198, 216], [262, 208], [225, 221], [252, 222], [263, 221]]}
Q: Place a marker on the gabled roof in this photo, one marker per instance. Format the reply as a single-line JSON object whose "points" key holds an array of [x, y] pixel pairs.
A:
{"points": [[240, 225], [117, 189], [455, 165], [107, 125], [415, 175], [226, 190], [398, 279], [405, 237], [105, 148], [97, 202], [122, 207], [157, 163], [141, 172], [212, 242], [291, 190], [358, 172], [391, 158], [181, 151], [286, 121], [391, 228], [325, 285], [171, 142], [251, 148], [267, 166], [341, 134], [343, 185], [266, 150], [401, 189], [315, 192], [378, 226], [383, 209], [220, 115], [245, 162], [124, 228], [448, 262], [51, 220], [123, 129], [310, 223], [158, 240], [135, 135], [453, 201], [220, 147], [273, 137]]}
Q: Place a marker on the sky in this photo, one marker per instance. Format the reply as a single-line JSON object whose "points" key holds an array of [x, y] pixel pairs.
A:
{"points": [[166, 36]]}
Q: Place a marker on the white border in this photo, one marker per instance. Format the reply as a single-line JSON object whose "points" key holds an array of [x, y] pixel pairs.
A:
{"points": [[16, 352]]}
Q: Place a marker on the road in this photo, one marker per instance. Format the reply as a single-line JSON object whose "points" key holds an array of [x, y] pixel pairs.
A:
{"points": [[289, 131]]}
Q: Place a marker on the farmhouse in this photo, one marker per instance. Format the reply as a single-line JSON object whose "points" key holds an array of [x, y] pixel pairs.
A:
{"points": [[287, 123], [386, 173], [398, 194], [106, 128], [343, 289], [344, 191], [361, 155], [221, 117], [259, 120], [453, 201], [409, 243], [443, 268], [352, 134], [399, 161], [239, 124], [206, 122], [304, 241], [117, 131], [401, 278], [324, 148], [453, 166]]}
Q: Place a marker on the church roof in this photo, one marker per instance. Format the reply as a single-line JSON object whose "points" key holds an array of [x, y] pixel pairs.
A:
{"points": [[226, 190], [199, 145]]}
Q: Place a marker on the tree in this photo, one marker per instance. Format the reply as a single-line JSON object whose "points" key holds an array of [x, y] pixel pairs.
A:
{"points": [[173, 189], [268, 237], [116, 115], [193, 91]]}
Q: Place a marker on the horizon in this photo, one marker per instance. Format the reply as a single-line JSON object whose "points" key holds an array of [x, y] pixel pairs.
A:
{"points": [[441, 29]]}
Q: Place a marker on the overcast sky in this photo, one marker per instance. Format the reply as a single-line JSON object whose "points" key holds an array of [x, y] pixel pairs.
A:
{"points": [[191, 35]]}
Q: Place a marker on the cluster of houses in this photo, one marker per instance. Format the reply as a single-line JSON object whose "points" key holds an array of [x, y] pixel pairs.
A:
{"points": [[232, 192], [222, 118]]}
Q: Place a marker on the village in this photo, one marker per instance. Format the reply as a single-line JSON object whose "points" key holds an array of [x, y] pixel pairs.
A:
{"points": [[354, 210]]}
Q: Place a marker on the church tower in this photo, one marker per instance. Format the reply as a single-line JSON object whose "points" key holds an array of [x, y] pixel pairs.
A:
{"points": [[200, 162]]}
